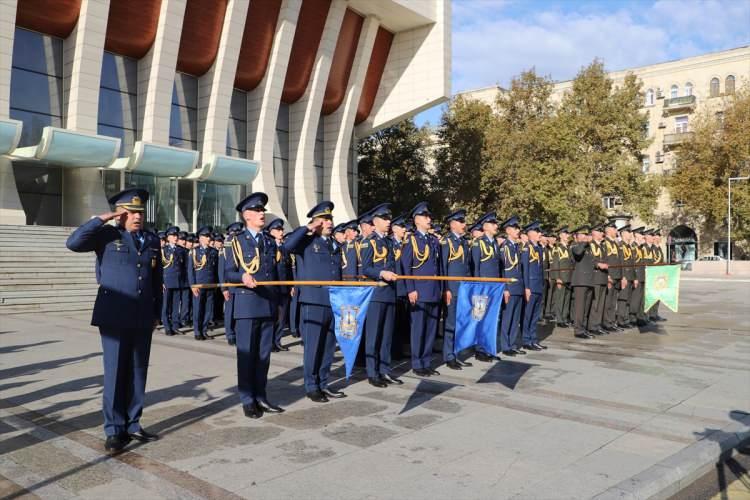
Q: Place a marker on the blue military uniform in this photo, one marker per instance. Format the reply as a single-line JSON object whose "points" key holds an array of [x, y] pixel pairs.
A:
{"points": [[377, 255], [202, 270], [532, 268], [173, 261], [485, 263], [128, 304], [317, 259], [401, 329], [254, 312], [454, 261], [421, 257], [510, 262], [284, 272], [232, 230], [350, 262], [186, 297]]}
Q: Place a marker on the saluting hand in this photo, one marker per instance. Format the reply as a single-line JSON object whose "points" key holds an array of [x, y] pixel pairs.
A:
{"points": [[315, 224], [108, 216]]}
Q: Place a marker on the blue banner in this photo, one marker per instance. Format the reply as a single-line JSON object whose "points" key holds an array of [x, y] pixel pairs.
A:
{"points": [[477, 313], [349, 305]]}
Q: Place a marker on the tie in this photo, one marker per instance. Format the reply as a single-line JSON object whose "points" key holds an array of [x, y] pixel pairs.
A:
{"points": [[138, 240], [259, 242]]}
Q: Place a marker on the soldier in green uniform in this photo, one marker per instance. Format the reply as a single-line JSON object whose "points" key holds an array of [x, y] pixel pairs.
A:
{"points": [[582, 281], [561, 265], [658, 258], [613, 258], [599, 282], [636, 298], [628, 277], [549, 240]]}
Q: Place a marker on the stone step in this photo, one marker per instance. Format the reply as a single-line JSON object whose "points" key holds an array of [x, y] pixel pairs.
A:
{"points": [[73, 292], [45, 285], [46, 308], [64, 299], [85, 274], [21, 279], [5, 228], [46, 260]]}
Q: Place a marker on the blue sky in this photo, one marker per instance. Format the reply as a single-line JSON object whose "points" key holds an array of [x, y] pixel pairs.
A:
{"points": [[493, 40]]}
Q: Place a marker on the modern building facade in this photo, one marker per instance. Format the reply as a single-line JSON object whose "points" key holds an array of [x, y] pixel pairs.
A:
{"points": [[201, 101], [674, 93]]}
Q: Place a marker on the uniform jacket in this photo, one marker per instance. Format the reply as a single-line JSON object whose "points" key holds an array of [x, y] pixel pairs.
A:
{"points": [[350, 262], [613, 257], [583, 275], [203, 266], [562, 260], [398, 247], [421, 257], [245, 255], [317, 258], [174, 263], [510, 262], [638, 260], [454, 260], [597, 252], [377, 254], [628, 259], [283, 261], [130, 278], [485, 258], [532, 266]]}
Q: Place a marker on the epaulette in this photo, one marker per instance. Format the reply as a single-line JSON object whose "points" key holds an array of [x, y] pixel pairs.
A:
{"points": [[364, 243]]}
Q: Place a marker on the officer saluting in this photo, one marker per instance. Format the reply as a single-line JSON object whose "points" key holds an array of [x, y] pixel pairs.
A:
{"points": [[126, 309], [173, 259], [454, 261], [318, 258], [251, 257]]}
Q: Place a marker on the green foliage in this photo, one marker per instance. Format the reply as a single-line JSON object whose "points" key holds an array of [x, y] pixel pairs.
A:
{"points": [[718, 149]]}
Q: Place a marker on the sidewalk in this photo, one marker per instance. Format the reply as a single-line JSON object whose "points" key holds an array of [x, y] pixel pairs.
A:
{"points": [[576, 421]]}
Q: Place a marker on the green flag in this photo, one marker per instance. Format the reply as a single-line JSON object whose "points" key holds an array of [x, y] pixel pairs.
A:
{"points": [[662, 283]]}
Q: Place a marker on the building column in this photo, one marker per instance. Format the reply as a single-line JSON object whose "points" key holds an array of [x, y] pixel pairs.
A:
{"points": [[338, 127], [156, 74], [11, 210], [215, 87], [263, 106], [303, 120], [83, 191]]}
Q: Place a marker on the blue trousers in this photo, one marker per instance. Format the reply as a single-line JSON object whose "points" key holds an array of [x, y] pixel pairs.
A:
{"points": [[228, 321], [294, 313], [424, 325], [449, 330], [317, 327], [531, 315], [186, 303], [378, 338], [510, 319], [170, 310], [125, 353], [282, 320], [254, 342], [203, 311]]}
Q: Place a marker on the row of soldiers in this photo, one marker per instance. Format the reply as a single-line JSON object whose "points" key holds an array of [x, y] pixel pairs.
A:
{"points": [[601, 274]]}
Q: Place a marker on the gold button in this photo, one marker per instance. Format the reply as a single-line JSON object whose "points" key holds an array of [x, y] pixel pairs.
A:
{"points": [[140, 277], [138, 265]]}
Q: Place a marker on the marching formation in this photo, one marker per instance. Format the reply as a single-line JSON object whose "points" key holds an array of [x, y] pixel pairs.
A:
{"points": [[592, 278]]}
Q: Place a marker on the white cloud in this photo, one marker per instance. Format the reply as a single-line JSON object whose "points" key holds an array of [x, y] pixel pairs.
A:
{"points": [[490, 47]]}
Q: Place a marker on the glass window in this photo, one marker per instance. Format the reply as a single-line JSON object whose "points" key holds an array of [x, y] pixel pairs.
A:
{"points": [[40, 191], [680, 124], [688, 88], [281, 156], [216, 204], [183, 122], [185, 204], [119, 73], [729, 85], [36, 52], [33, 125], [650, 97], [127, 137], [117, 109], [118, 101], [645, 164], [714, 87], [674, 91], [30, 91], [318, 161], [111, 182]]}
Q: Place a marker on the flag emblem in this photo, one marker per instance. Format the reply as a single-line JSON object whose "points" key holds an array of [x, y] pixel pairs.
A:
{"points": [[349, 320], [479, 305]]}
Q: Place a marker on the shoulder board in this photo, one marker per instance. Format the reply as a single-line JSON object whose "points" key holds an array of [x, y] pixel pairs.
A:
{"points": [[475, 243], [364, 244], [525, 248]]}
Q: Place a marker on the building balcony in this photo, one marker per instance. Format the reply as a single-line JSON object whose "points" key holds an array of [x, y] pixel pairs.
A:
{"points": [[675, 104], [671, 140]]}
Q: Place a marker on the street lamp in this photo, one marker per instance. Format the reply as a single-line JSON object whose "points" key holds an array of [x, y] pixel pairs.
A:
{"points": [[729, 218]]}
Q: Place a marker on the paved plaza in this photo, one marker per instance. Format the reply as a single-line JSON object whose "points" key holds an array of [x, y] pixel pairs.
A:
{"points": [[575, 421]]}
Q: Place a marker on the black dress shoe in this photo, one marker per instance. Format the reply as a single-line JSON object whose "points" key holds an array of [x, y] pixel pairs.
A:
{"points": [[421, 372], [231, 341], [144, 437], [464, 363], [376, 381], [391, 380], [531, 347], [453, 364], [333, 394], [602, 331], [200, 337], [432, 372], [510, 353], [519, 351], [484, 357], [168, 333], [275, 349], [116, 443], [561, 325], [540, 346], [317, 397], [252, 410], [268, 407], [282, 348], [583, 336]]}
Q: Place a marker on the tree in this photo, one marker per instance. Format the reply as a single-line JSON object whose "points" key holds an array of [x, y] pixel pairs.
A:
{"points": [[459, 160], [393, 168], [718, 149]]}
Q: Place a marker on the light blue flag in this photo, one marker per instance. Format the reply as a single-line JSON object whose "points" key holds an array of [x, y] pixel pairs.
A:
{"points": [[477, 313], [349, 305]]}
